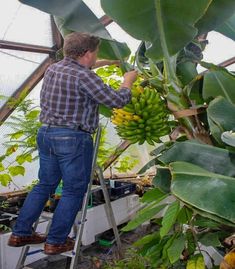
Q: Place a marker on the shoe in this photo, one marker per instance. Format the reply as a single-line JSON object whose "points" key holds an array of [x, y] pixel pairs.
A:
{"points": [[53, 249], [19, 241]]}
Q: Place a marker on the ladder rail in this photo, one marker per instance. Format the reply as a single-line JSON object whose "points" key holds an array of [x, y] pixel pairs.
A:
{"points": [[80, 229], [24, 251], [109, 211]]}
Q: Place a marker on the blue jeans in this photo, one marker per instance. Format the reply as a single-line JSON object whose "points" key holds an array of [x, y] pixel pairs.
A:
{"points": [[64, 154]]}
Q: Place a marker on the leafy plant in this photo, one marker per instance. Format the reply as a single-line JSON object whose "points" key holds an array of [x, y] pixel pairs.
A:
{"points": [[125, 164], [202, 106], [21, 142], [132, 260], [4, 228], [177, 244]]}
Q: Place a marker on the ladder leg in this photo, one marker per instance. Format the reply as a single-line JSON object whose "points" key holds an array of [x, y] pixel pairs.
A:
{"points": [[22, 258], [109, 211], [78, 240], [24, 251]]}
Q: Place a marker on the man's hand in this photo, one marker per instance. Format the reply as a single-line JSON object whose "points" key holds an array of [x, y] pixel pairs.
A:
{"points": [[129, 78]]}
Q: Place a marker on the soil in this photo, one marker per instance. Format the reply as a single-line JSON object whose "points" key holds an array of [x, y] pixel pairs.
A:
{"points": [[94, 256]]}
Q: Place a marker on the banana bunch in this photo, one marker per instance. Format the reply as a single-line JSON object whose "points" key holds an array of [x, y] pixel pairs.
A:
{"points": [[143, 119]]}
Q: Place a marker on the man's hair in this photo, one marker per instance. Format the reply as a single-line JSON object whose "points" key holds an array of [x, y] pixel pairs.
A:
{"points": [[77, 44]]}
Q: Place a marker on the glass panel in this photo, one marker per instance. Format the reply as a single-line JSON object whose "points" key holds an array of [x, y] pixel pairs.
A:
{"points": [[16, 67], [95, 6], [219, 49], [120, 35], [135, 156], [21, 23]]}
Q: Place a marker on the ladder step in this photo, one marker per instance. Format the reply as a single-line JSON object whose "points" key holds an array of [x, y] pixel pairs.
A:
{"points": [[68, 254], [40, 248]]}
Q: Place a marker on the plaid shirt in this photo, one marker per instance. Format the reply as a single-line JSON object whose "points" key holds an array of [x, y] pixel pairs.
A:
{"points": [[71, 94]]}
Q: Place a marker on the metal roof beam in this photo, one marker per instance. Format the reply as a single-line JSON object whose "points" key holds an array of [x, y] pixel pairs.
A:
{"points": [[228, 62], [105, 20], [27, 86], [26, 47]]}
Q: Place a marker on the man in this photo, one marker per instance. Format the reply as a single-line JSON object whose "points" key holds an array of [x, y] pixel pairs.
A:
{"points": [[70, 97]]}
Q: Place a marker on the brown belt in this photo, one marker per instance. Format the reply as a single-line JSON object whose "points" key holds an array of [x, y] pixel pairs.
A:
{"points": [[76, 128]]}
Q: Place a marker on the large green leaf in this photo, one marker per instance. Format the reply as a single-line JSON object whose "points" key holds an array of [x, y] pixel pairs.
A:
{"points": [[169, 218], [106, 48], [74, 15], [219, 83], [143, 215], [162, 179], [220, 113], [209, 192], [218, 12], [211, 158], [174, 252], [153, 195], [145, 20], [107, 51], [228, 28], [186, 72], [228, 138]]}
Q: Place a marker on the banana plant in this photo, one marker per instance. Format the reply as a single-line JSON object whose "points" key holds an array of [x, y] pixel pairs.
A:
{"points": [[196, 174], [172, 30], [167, 28]]}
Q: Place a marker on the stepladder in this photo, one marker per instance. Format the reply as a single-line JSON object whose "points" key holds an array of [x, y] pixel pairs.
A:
{"points": [[78, 227]]}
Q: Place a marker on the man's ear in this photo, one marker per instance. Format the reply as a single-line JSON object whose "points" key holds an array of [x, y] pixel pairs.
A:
{"points": [[87, 54]]}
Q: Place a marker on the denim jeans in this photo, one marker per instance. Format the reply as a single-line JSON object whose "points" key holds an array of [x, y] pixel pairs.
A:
{"points": [[64, 154]]}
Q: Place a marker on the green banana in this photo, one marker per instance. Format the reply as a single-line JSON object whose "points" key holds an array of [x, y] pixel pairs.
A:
{"points": [[145, 118]]}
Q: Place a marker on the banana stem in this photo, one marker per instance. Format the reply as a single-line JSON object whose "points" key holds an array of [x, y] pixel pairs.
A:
{"points": [[123, 66], [169, 69]]}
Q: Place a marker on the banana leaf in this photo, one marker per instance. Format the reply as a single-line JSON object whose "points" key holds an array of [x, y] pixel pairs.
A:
{"points": [[74, 15], [216, 14], [209, 192], [106, 50], [105, 111], [228, 138], [162, 180], [186, 72], [220, 113], [228, 28], [219, 83], [174, 21], [211, 158], [139, 19]]}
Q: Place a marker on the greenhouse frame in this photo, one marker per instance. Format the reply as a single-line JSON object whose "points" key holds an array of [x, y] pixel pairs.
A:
{"points": [[165, 160]]}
